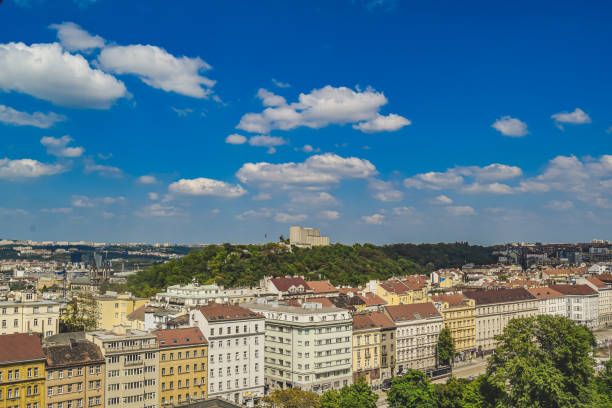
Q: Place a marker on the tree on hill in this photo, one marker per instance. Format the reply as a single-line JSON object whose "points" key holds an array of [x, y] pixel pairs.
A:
{"points": [[445, 347], [411, 390], [357, 395], [291, 398]]}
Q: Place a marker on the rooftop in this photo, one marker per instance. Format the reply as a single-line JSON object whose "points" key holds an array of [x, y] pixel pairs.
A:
{"points": [[373, 320], [454, 299], [74, 352], [322, 286], [484, 297], [544, 292], [284, 284], [574, 289], [180, 337], [215, 312], [20, 347], [416, 311], [287, 308]]}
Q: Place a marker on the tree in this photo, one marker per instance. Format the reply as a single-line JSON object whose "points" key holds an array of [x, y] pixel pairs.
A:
{"points": [[446, 346], [291, 398], [411, 390], [358, 395], [449, 395], [480, 393], [543, 361], [81, 314]]}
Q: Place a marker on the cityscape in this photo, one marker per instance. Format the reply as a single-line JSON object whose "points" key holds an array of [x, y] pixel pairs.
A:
{"points": [[305, 204]]}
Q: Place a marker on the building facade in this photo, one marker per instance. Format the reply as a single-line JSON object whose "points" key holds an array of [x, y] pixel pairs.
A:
{"points": [[605, 299], [192, 295], [132, 361], [30, 315], [22, 371], [582, 304], [308, 346], [551, 302], [459, 315], [306, 237], [373, 347], [417, 329], [235, 351], [114, 308], [75, 375], [183, 365]]}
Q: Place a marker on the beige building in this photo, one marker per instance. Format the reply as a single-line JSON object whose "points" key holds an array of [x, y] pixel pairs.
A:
{"points": [[306, 237], [605, 298], [373, 347], [417, 329], [29, 315], [132, 361], [114, 308], [75, 375], [459, 314], [495, 308]]}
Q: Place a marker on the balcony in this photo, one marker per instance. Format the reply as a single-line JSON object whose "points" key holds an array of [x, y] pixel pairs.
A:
{"points": [[134, 363]]}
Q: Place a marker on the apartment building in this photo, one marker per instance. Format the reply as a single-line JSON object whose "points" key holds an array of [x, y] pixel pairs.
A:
{"points": [[22, 371], [192, 295], [307, 345], [582, 304], [373, 347], [75, 375], [114, 308], [459, 315], [306, 237], [417, 329], [401, 290], [235, 351], [183, 365], [495, 308], [29, 315], [605, 298], [551, 302], [132, 361]]}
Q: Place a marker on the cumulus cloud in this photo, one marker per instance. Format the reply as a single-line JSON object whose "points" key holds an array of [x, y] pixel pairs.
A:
{"points": [[308, 149], [318, 169], [491, 188], [236, 139], [454, 177], [320, 108], [280, 84], [74, 38], [147, 179], [262, 197], [270, 99], [267, 141], [509, 126], [330, 215], [434, 180], [153, 196], [59, 146], [375, 219], [287, 218], [260, 213], [403, 211], [380, 123], [560, 205], [442, 199], [321, 198], [577, 117], [158, 210], [27, 168], [384, 191], [103, 170], [46, 71], [82, 201], [202, 186], [159, 69], [460, 210], [41, 120]]}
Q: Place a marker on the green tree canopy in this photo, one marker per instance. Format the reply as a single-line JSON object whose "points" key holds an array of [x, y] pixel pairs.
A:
{"points": [[357, 395], [291, 398], [411, 390], [450, 395], [446, 346]]}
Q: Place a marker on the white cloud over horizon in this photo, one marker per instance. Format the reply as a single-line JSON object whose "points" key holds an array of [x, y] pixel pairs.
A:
{"points": [[202, 186], [41, 120]]}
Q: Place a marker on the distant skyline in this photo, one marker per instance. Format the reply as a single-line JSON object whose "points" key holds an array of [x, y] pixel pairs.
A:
{"points": [[375, 121]]}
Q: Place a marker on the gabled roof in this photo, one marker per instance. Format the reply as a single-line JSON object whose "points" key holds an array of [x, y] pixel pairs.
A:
{"points": [[371, 299], [373, 320], [484, 297], [544, 292], [215, 312], [20, 347], [454, 299], [322, 286], [605, 277], [325, 302], [396, 287], [79, 352], [597, 282], [137, 314], [180, 337], [416, 311], [284, 284], [584, 290]]}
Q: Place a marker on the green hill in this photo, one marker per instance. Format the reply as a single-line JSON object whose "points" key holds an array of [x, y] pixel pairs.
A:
{"points": [[244, 265]]}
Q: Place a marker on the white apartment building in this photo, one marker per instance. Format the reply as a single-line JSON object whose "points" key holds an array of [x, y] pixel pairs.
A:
{"points": [[192, 295], [306, 237], [235, 351], [605, 299], [307, 346], [132, 361], [582, 304], [29, 315], [550, 302], [418, 326], [495, 308]]}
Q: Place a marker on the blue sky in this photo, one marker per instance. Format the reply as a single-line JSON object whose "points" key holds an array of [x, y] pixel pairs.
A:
{"points": [[377, 121]]}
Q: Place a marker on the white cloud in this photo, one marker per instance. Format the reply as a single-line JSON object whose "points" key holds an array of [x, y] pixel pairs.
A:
{"points": [[47, 72], [82, 201], [270, 99], [318, 169], [403, 211], [153, 196], [27, 168], [509, 126], [442, 199], [375, 219], [41, 120], [59, 146], [236, 139], [492, 188], [286, 218], [261, 213], [380, 123], [434, 180], [320, 108], [182, 112], [262, 197], [577, 117], [281, 84], [74, 38], [62, 210], [454, 177], [330, 215], [159, 69], [493, 171], [147, 179], [384, 191], [267, 141], [158, 210], [460, 210], [560, 205], [206, 187], [321, 198], [103, 170]]}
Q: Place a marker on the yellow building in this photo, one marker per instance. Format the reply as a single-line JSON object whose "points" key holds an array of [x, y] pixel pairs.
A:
{"points": [[22, 371], [371, 348], [459, 315], [114, 308], [183, 365], [403, 291]]}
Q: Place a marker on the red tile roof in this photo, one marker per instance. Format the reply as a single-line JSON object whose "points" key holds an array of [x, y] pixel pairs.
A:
{"points": [[371, 299], [325, 302], [484, 297], [371, 320], [597, 282], [454, 299], [321, 286], [544, 292], [605, 277], [283, 284], [180, 337], [215, 312], [20, 347], [414, 311], [396, 287], [574, 289]]}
